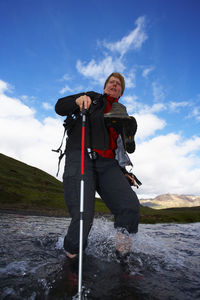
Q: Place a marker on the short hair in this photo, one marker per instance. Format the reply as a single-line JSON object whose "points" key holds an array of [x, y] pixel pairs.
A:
{"points": [[120, 77]]}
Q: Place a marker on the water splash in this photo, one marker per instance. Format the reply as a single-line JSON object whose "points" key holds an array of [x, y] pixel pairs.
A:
{"points": [[161, 265], [16, 268], [154, 251]]}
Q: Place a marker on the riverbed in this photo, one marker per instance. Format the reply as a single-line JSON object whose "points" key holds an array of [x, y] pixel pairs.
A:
{"points": [[164, 262]]}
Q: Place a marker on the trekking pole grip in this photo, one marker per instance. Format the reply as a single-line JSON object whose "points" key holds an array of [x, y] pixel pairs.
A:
{"points": [[83, 110]]}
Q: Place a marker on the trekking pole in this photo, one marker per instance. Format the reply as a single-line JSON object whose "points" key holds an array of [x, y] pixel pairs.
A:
{"points": [[81, 205]]}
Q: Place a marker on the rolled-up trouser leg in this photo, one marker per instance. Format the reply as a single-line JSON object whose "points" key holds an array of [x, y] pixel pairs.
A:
{"points": [[71, 184], [118, 195]]}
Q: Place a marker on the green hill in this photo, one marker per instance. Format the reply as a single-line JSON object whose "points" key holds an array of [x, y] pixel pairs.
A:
{"points": [[23, 187], [27, 189]]}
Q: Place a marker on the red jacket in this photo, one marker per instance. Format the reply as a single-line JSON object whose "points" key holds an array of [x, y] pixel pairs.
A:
{"points": [[109, 153]]}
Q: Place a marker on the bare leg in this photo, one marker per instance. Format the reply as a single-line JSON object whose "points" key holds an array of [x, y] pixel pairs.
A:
{"points": [[123, 243], [70, 255]]}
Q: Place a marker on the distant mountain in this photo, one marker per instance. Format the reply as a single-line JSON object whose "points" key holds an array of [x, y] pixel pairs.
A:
{"points": [[171, 201]]}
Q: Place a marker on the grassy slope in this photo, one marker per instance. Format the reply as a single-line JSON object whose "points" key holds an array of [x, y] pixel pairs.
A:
{"points": [[28, 189], [169, 215]]}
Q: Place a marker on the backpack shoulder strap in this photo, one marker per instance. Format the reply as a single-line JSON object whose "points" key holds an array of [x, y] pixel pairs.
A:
{"points": [[68, 125]]}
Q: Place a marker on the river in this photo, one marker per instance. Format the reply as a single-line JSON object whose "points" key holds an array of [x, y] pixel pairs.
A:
{"points": [[164, 262]]}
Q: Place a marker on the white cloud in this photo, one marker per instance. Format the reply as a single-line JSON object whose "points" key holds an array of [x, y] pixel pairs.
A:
{"points": [[65, 89], [147, 71], [66, 77], [195, 113], [47, 106], [98, 71], [158, 92], [134, 40], [133, 105], [27, 99], [175, 106], [155, 108], [13, 108], [68, 88], [130, 80], [130, 99], [165, 163], [148, 124], [24, 97], [168, 164], [24, 137], [5, 87]]}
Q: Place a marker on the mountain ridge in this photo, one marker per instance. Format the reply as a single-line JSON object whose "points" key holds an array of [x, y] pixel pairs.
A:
{"points": [[171, 201]]}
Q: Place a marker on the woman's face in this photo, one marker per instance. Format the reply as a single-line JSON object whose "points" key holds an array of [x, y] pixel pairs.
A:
{"points": [[113, 87]]}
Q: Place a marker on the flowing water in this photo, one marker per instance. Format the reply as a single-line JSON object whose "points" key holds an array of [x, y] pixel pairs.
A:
{"points": [[164, 262]]}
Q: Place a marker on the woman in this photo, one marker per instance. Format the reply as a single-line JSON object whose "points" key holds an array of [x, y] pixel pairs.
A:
{"points": [[102, 174]]}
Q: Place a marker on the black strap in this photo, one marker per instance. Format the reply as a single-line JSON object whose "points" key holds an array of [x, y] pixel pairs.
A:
{"points": [[59, 150], [68, 125], [137, 180]]}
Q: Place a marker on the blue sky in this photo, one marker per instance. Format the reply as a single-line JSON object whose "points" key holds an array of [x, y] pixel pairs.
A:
{"points": [[50, 49]]}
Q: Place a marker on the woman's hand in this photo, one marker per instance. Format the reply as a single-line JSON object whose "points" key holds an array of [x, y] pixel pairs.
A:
{"points": [[131, 179], [84, 101]]}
